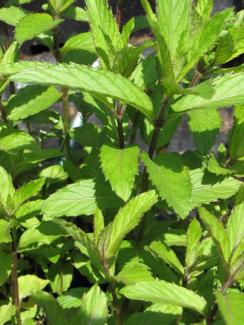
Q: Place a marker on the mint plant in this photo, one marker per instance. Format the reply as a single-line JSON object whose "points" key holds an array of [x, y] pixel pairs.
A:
{"points": [[111, 226]]}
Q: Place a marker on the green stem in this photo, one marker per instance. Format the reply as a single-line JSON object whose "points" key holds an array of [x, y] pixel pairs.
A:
{"points": [[14, 278], [119, 118], [116, 304]]}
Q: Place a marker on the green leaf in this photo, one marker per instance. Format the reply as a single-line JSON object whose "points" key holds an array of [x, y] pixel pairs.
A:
{"points": [[11, 15], [231, 306], [173, 21], [34, 24], [171, 178], [205, 125], [194, 234], [60, 276], [45, 233], [204, 9], [94, 307], [204, 192], [6, 313], [150, 317], [76, 76], [72, 200], [76, 13], [237, 137], [55, 314], [126, 220], [54, 174], [235, 227], [104, 30], [134, 271], [98, 224], [166, 64], [217, 232], [221, 91], [36, 99], [5, 231], [120, 167], [79, 49], [30, 284], [13, 140], [159, 291], [6, 266], [167, 255], [203, 40], [27, 191], [7, 189], [72, 299]]}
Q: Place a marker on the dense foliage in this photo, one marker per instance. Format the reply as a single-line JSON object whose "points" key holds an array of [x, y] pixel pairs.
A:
{"points": [[109, 226]]}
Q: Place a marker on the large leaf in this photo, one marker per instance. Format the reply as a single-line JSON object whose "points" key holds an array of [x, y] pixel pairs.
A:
{"points": [[79, 198], [76, 76], [204, 124], [34, 24], [171, 178], [173, 21], [30, 101], [94, 307], [158, 291], [120, 167], [231, 306], [204, 192], [221, 91], [126, 220], [217, 232], [12, 140], [11, 15]]}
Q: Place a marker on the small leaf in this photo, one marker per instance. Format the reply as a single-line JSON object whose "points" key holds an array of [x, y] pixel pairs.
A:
{"points": [[6, 266], [36, 99], [194, 234], [27, 191], [217, 232], [167, 255], [34, 24], [6, 313], [159, 291], [204, 124], [7, 189], [60, 276], [134, 271], [13, 140], [221, 91], [172, 180], [237, 137], [94, 307], [30, 284], [126, 220], [235, 227], [230, 305], [98, 224], [120, 167], [5, 231]]}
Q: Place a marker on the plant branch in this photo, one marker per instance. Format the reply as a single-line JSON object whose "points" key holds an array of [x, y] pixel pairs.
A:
{"points": [[14, 278]]}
